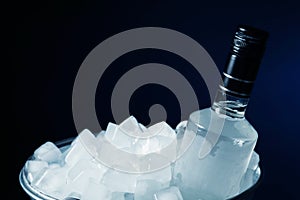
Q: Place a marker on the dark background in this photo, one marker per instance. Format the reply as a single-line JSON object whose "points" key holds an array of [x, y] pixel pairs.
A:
{"points": [[52, 39]]}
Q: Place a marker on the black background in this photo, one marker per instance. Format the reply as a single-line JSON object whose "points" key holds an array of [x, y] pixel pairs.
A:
{"points": [[52, 39]]}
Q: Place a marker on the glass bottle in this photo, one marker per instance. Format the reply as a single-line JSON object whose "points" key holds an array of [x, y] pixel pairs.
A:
{"points": [[213, 165]]}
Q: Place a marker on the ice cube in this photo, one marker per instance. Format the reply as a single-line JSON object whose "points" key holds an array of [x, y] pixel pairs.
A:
{"points": [[88, 169], [122, 196], [120, 181], [84, 146], [118, 196], [254, 161], [132, 127], [48, 152], [171, 193], [82, 172], [181, 126], [160, 136], [145, 189], [252, 173], [135, 138], [161, 140], [96, 191], [256, 175], [116, 137], [33, 168], [125, 135], [149, 149], [162, 129], [52, 181], [142, 127], [146, 145], [162, 176], [166, 136], [101, 133], [129, 196]]}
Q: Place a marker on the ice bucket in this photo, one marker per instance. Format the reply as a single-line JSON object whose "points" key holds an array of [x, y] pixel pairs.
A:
{"points": [[37, 195]]}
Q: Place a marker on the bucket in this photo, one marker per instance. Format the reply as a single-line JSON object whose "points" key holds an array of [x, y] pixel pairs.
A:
{"points": [[64, 144]]}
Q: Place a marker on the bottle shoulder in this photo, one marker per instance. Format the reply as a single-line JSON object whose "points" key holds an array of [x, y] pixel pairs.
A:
{"points": [[230, 127]]}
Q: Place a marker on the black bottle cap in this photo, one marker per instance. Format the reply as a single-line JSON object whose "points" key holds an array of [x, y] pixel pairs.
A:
{"points": [[244, 59]]}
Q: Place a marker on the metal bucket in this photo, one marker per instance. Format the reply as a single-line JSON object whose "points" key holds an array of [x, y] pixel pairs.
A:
{"points": [[37, 195]]}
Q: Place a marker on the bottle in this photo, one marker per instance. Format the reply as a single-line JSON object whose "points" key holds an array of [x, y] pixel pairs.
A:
{"points": [[213, 166]]}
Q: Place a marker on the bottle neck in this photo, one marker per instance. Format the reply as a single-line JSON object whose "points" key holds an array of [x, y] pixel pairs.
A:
{"points": [[230, 105], [240, 72]]}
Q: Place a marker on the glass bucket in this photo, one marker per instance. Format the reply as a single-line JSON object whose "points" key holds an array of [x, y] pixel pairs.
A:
{"points": [[64, 144]]}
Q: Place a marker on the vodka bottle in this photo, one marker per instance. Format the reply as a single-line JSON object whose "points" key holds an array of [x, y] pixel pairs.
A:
{"points": [[215, 162]]}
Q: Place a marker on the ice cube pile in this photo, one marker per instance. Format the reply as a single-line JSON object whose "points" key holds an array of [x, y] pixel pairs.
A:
{"points": [[76, 171]]}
